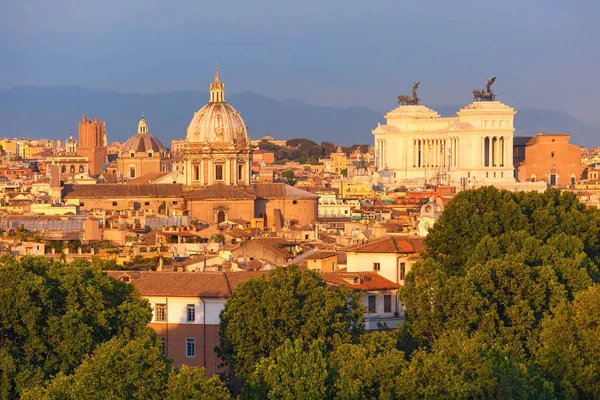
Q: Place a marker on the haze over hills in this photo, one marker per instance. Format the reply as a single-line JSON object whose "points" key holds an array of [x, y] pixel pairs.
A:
{"points": [[53, 112]]}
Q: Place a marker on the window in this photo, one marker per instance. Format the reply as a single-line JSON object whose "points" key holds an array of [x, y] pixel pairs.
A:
{"points": [[81, 169], [132, 172], [190, 347], [294, 201], [81, 204], [402, 271], [387, 303], [376, 267], [218, 172], [63, 169], [149, 155], [72, 169], [196, 173], [240, 172], [146, 203], [163, 345], [132, 154], [174, 202], [114, 203], [372, 304], [191, 313], [125, 279], [552, 154], [160, 312]]}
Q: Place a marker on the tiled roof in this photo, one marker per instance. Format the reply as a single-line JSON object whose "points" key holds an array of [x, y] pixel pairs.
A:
{"points": [[391, 244], [109, 178], [279, 190], [219, 191], [120, 190], [359, 280], [148, 178], [186, 284], [319, 255]]}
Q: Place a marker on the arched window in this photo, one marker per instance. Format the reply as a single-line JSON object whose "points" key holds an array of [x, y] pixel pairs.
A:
{"points": [[72, 169], [533, 178], [81, 169], [63, 169]]}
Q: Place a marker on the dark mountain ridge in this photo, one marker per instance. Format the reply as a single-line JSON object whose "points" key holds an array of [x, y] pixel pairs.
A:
{"points": [[54, 112]]}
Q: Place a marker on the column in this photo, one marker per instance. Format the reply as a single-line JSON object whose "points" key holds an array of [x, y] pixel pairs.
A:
{"points": [[456, 151], [483, 151], [201, 177], [489, 140], [496, 152], [227, 172]]}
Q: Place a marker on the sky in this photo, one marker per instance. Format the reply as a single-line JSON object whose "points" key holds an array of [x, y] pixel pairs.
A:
{"points": [[339, 53]]}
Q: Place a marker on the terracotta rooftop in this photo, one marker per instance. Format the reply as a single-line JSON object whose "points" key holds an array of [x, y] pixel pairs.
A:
{"points": [[359, 280], [148, 178], [319, 255], [219, 191], [391, 244], [278, 190], [119, 190], [186, 284]]}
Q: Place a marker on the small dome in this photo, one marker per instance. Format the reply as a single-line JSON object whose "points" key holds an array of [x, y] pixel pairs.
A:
{"points": [[143, 141], [218, 122]]}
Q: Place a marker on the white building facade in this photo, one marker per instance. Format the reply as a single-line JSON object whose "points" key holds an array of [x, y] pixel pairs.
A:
{"points": [[473, 147]]}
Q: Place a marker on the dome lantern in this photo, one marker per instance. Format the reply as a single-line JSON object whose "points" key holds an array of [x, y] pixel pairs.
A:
{"points": [[142, 125], [217, 89]]}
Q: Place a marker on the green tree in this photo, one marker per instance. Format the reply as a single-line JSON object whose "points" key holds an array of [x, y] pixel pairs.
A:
{"points": [[459, 367], [569, 351], [511, 282], [293, 372], [217, 238], [121, 368], [191, 383], [371, 369], [74, 245], [53, 315], [289, 303], [475, 214]]}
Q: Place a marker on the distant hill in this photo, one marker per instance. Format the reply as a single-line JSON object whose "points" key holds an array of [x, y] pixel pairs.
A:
{"points": [[53, 112]]}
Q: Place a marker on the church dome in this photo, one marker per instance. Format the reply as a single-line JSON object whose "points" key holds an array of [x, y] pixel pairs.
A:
{"points": [[218, 122], [143, 141]]}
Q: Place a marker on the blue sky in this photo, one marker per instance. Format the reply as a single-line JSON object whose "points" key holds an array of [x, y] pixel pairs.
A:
{"points": [[342, 53]]}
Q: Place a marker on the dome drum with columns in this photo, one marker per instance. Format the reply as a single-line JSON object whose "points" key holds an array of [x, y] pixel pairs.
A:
{"points": [[217, 148]]}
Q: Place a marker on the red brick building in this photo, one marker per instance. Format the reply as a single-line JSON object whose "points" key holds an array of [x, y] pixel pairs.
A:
{"points": [[551, 158], [93, 144]]}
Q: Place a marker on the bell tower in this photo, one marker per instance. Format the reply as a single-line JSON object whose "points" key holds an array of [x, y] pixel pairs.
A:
{"points": [[93, 143]]}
